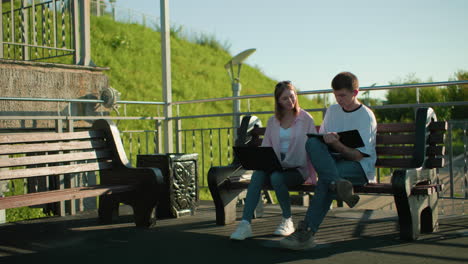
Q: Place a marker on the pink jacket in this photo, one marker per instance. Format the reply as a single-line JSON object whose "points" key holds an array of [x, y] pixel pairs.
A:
{"points": [[296, 155]]}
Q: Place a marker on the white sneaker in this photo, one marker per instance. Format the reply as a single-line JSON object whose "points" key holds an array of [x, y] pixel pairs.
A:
{"points": [[285, 228], [243, 231]]}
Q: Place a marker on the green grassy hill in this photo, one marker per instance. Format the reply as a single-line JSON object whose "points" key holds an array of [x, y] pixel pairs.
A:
{"points": [[133, 54]]}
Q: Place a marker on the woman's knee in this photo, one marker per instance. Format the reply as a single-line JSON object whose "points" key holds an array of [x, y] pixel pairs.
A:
{"points": [[258, 178], [277, 179]]}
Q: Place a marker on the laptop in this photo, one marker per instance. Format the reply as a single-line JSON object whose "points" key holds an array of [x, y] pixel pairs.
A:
{"points": [[258, 158]]}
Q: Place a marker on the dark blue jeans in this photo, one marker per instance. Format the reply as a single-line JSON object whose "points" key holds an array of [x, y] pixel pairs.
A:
{"points": [[280, 180], [329, 169]]}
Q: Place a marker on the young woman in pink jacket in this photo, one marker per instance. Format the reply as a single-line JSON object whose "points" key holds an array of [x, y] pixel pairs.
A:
{"points": [[286, 133]]}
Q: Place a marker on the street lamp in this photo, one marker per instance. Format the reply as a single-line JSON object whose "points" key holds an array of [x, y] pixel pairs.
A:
{"points": [[235, 82]]}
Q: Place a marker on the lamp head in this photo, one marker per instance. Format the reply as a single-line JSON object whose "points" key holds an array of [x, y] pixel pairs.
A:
{"points": [[237, 61]]}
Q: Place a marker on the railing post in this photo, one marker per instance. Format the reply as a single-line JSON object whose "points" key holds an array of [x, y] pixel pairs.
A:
{"points": [[179, 136], [98, 8], [81, 14], [113, 8], [166, 76], [236, 88], [25, 27], [450, 151], [158, 137], [12, 23], [465, 168], [3, 189], [1, 30]]}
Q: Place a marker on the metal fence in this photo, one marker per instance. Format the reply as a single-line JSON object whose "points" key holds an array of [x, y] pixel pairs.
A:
{"points": [[36, 30]]}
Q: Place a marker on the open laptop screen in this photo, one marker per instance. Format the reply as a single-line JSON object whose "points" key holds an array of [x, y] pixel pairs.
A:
{"points": [[258, 158]]}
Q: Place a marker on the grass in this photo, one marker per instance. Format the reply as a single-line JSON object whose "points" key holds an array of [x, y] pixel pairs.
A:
{"points": [[17, 187]]}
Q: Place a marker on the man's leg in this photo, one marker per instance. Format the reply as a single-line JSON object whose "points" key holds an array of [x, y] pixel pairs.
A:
{"points": [[352, 171], [327, 172]]}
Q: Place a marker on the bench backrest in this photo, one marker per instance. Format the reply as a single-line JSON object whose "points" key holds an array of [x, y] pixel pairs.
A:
{"points": [[399, 145], [46, 154]]}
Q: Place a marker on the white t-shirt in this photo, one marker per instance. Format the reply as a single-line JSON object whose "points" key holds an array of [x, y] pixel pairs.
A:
{"points": [[363, 119], [285, 135]]}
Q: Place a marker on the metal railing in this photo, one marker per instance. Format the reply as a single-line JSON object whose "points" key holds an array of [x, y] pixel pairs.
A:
{"points": [[140, 142], [214, 145], [39, 30]]}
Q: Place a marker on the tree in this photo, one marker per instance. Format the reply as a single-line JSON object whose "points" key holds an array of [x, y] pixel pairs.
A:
{"points": [[458, 93], [426, 95]]}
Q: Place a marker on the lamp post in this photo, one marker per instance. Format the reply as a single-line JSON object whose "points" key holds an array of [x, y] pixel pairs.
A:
{"points": [[112, 2], [235, 83]]}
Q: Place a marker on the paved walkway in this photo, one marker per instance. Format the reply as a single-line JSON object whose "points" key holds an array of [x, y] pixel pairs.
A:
{"points": [[347, 236]]}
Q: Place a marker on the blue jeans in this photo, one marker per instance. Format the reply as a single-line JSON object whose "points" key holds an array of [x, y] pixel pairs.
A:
{"points": [[329, 169], [280, 180]]}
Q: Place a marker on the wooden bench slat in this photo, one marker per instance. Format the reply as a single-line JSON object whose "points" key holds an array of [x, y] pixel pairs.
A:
{"points": [[60, 195], [395, 151], [45, 137], [436, 139], [54, 170], [435, 151], [394, 163], [426, 189], [59, 146], [371, 188], [408, 151], [55, 158], [438, 126], [395, 139], [438, 162], [395, 127], [259, 130], [255, 142], [374, 188]]}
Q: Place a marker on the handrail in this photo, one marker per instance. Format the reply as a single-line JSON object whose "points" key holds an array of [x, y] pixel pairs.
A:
{"points": [[63, 100], [369, 88]]}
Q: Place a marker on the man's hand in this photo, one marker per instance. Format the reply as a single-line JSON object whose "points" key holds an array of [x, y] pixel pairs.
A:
{"points": [[333, 139]]}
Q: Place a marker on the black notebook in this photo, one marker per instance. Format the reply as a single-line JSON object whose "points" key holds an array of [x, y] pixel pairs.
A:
{"points": [[258, 158], [350, 138]]}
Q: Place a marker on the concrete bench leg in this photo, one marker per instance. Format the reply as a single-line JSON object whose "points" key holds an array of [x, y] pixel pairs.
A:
{"points": [[225, 199], [108, 209]]}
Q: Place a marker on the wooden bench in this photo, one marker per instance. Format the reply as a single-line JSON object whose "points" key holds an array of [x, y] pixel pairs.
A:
{"points": [[36, 154], [413, 150]]}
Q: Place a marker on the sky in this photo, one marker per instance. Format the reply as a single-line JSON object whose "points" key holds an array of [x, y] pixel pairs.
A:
{"points": [[310, 41]]}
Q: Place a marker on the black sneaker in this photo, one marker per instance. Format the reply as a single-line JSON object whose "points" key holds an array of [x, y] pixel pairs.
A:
{"points": [[344, 192], [301, 239]]}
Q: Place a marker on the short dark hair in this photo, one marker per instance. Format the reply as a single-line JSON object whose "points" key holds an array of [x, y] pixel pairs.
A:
{"points": [[345, 80]]}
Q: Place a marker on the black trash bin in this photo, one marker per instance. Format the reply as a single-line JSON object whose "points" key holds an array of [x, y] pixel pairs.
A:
{"points": [[180, 173]]}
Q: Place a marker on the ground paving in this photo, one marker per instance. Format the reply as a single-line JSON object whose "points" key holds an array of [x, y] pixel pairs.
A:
{"points": [[346, 236]]}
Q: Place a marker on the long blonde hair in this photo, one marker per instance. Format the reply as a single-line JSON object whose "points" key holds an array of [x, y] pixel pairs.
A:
{"points": [[279, 89]]}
